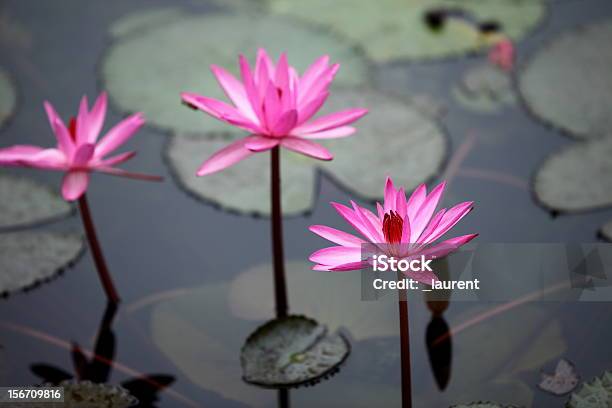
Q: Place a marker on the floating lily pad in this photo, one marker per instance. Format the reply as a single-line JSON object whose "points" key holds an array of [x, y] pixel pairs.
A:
{"points": [[8, 97], [594, 394], [395, 29], [28, 258], [143, 19], [141, 78], [568, 83], [484, 89], [26, 202], [85, 394], [394, 138], [292, 351], [606, 231], [578, 178]]}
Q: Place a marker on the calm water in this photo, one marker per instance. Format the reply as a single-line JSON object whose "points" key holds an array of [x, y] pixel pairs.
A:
{"points": [[158, 239]]}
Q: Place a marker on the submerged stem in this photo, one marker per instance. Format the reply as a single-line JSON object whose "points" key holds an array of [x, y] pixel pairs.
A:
{"points": [[280, 285], [96, 251], [405, 349]]}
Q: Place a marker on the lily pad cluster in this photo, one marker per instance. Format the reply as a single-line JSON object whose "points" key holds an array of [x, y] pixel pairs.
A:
{"points": [[8, 97], [485, 89], [594, 394], [292, 351], [395, 136], [29, 257], [395, 29]]}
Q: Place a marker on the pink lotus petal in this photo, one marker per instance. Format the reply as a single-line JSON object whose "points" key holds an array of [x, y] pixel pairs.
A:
{"points": [[225, 157], [118, 159], [416, 201], [96, 118], [272, 105], [351, 266], [336, 255], [219, 110], [423, 216], [281, 79], [322, 268], [113, 171], [449, 220], [285, 123], [308, 110], [306, 147], [250, 89], [263, 65], [82, 122], [320, 85], [353, 219], [331, 121], [343, 131], [337, 236], [119, 134], [64, 141], [400, 203], [313, 72], [406, 231], [74, 184], [374, 232], [235, 91], [256, 143], [83, 154], [390, 196], [446, 247], [432, 227]]}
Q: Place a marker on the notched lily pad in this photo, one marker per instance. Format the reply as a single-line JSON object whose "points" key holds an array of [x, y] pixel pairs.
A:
{"points": [[29, 258], [292, 351], [8, 97], [484, 89], [395, 29], [594, 394], [578, 178], [394, 138], [26, 202], [140, 78], [568, 83]]}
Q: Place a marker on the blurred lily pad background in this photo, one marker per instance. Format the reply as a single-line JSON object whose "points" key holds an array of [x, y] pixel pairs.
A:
{"points": [[532, 146]]}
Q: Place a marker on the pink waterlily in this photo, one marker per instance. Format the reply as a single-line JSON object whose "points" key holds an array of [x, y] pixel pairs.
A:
{"points": [[78, 151], [403, 228], [276, 106]]}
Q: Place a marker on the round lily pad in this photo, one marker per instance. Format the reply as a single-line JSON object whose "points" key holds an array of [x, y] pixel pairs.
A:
{"points": [[26, 202], [292, 351], [8, 97], [484, 89], [606, 231], [594, 394], [395, 29], [141, 78], [578, 178], [29, 258], [568, 84], [86, 394], [145, 18], [394, 138]]}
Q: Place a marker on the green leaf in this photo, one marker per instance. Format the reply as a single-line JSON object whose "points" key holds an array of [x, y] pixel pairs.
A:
{"points": [[26, 202], [578, 178], [29, 258], [594, 394], [568, 83], [395, 29]]}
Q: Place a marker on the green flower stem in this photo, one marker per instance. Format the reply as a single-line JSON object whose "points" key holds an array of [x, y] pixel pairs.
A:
{"points": [[280, 285], [405, 348]]}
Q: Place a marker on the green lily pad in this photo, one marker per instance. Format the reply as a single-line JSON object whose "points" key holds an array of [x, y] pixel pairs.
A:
{"points": [[85, 394], [484, 89], [143, 19], [606, 231], [8, 97], [29, 258], [594, 394], [395, 29], [578, 178], [141, 78], [26, 202], [394, 138], [292, 351], [568, 83]]}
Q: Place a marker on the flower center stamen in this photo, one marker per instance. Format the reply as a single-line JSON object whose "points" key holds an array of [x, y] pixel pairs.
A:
{"points": [[72, 128], [393, 225]]}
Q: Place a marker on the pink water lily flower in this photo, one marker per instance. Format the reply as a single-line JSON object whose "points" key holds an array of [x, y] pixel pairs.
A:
{"points": [[78, 151], [502, 54], [276, 106], [404, 229]]}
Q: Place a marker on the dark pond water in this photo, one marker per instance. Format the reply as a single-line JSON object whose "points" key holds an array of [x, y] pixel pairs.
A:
{"points": [[175, 260]]}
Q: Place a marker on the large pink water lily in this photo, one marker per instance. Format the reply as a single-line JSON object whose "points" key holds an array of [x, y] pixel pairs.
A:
{"points": [[78, 151], [403, 228], [276, 106]]}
